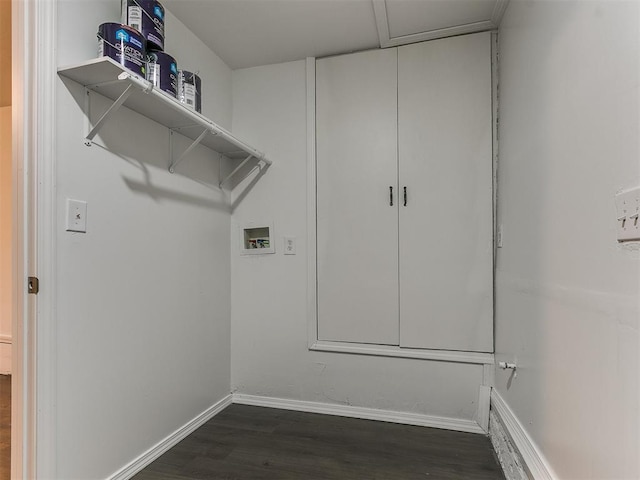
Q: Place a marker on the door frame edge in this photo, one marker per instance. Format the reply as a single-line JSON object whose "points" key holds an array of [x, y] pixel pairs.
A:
{"points": [[34, 68]]}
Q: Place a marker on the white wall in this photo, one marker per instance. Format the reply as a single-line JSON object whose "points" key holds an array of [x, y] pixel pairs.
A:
{"points": [[143, 305], [567, 294], [269, 307]]}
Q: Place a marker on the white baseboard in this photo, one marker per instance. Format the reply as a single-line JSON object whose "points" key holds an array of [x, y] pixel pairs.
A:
{"points": [[5, 358], [534, 461], [161, 447], [446, 423]]}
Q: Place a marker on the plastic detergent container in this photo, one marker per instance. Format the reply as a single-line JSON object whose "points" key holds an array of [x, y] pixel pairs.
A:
{"points": [[124, 44], [189, 90], [146, 16], [162, 72]]}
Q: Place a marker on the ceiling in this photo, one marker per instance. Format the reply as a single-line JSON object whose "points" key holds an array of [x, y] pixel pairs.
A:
{"points": [[247, 33]]}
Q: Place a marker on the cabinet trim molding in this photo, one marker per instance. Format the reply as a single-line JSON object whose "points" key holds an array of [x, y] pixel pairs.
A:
{"points": [[312, 311], [394, 351], [386, 40]]}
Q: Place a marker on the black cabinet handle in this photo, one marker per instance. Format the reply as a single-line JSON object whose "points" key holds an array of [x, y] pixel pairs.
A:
{"points": [[405, 196], [391, 196]]}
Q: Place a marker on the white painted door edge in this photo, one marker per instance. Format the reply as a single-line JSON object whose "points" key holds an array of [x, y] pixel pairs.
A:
{"points": [[533, 458], [170, 440], [312, 312], [33, 99], [405, 418]]}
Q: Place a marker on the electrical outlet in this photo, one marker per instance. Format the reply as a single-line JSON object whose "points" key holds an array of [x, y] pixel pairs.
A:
{"points": [[628, 209], [289, 245], [76, 216]]}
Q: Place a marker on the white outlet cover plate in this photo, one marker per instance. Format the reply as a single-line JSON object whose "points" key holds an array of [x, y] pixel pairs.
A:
{"points": [[628, 209], [76, 216], [289, 245]]}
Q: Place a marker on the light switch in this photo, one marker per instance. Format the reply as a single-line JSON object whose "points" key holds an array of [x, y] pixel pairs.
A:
{"points": [[628, 209], [289, 245], [76, 216]]}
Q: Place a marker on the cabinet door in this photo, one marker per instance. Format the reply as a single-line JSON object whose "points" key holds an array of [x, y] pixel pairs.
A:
{"points": [[445, 161], [357, 238]]}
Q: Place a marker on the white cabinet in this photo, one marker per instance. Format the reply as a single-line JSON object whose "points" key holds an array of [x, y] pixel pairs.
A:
{"points": [[414, 119], [356, 145], [445, 162]]}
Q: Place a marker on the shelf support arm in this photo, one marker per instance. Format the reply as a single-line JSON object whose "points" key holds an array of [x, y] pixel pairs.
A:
{"points": [[112, 109], [235, 170], [175, 163]]}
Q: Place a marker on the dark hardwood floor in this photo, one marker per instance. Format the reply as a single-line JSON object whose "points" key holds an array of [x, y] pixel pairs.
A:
{"points": [[5, 427], [256, 443]]}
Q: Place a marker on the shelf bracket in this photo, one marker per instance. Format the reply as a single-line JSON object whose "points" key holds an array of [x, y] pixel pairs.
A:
{"points": [[235, 170], [112, 109], [175, 163]]}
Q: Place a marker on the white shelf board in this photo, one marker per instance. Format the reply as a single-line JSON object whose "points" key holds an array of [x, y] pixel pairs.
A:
{"points": [[100, 75]]}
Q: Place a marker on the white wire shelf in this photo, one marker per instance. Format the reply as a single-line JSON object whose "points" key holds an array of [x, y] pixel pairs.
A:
{"points": [[107, 77]]}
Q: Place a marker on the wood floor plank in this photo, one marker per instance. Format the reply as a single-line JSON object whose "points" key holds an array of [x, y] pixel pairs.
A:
{"points": [[246, 442]]}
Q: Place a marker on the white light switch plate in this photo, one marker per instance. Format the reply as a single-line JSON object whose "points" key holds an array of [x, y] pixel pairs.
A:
{"points": [[289, 245], [76, 216], [628, 209]]}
